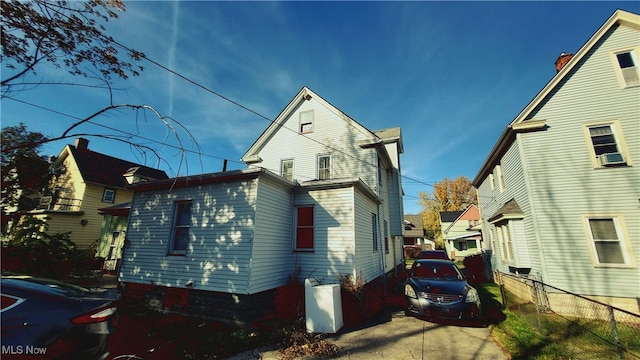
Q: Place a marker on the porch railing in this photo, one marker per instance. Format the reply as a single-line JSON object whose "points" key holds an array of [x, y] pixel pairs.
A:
{"points": [[59, 203]]}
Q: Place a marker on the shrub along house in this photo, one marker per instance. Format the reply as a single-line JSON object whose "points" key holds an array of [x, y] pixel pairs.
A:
{"points": [[321, 198], [559, 191]]}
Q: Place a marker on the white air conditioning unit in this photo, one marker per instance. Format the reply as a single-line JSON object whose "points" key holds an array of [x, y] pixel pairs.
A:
{"points": [[610, 159]]}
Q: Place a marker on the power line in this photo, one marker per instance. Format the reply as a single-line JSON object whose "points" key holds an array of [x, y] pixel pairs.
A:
{"points": [[265, 117], [203, 87]]}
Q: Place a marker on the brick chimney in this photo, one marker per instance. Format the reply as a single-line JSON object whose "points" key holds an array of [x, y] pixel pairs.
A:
{"points": [[82, 144], [563, 59]]}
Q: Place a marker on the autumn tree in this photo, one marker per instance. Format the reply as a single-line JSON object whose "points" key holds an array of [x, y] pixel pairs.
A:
{"points": [[72, 37], [448, 195]]}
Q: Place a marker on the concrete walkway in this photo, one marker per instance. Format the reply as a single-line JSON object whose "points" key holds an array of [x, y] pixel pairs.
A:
{"points": [[393, 335]]}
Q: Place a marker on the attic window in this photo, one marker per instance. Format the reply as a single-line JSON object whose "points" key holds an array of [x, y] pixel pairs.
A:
{"points": [[628, 70], [306, 122], [109, 195]]}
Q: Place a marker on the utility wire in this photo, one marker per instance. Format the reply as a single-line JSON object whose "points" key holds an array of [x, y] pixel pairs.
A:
{"points": [[203, 87]]}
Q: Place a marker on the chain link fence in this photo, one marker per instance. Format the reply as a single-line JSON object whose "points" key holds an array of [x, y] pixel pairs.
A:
{"points": [[582, 328]]}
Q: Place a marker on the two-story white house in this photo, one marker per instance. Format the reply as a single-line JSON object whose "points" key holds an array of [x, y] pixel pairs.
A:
{"points": [[321, 197], [559, 192]]}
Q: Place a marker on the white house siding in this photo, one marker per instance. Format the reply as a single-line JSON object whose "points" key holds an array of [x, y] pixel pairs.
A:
{"points": [[396, 225], [333, 248], [368, 261], [490, 201], [347, 158], [218, 257], [271, 262], [565, 184], [396, 210]]}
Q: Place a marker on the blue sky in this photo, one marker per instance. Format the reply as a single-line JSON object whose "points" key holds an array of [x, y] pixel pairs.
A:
{"points": [[452, 75]]}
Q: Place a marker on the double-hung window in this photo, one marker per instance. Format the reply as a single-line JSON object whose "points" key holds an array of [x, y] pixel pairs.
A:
{"points": [[324, 167], [286, 169], [306, 122], [181, 229], [304, 228], [504, 239], [607, 144], [499, 177], [607, 240], [627, 69]]}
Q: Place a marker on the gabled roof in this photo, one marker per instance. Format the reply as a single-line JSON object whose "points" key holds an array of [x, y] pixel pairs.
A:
{"points": [[522, 122], [470, 213], [449, 216], [107, 170], [103, 169], [510, 210], [305, 94]]}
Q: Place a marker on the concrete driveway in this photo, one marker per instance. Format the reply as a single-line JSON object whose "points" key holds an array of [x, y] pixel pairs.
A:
{"points": [[392, 335]]}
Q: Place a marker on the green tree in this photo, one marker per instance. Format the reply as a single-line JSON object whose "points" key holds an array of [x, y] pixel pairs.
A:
{"points": [[448, 195], [24, 170]]}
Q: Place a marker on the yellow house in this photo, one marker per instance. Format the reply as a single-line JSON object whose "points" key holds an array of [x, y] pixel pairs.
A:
{"points": [[84, 181]]}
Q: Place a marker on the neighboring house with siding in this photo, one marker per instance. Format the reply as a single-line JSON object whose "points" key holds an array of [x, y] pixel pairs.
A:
{"points": [[321, 197], [559, 191], [414, 233], [82, 182], [461, 232]]}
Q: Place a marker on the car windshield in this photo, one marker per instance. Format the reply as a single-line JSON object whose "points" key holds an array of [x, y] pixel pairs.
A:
{"points": [[436, 271]]}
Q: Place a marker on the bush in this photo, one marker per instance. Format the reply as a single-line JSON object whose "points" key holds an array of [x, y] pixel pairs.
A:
{"points": [[32, 251]]}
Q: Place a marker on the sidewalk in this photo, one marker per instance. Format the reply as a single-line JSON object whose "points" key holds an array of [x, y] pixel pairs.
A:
{"points": [[392, 335]]}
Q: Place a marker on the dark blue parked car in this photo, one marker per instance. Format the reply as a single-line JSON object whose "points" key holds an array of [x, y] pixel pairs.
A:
{"points": [[55, 320], [437, 288]]}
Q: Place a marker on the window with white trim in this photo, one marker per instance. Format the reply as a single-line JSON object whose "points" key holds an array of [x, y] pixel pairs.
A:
{"points": [[109, 195], [627, 67], [304, 227], [306, 122], [608, 148], [500, 177], [607, 240], [505, 242], [181, 229], [324, 167], [286, 169]]}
